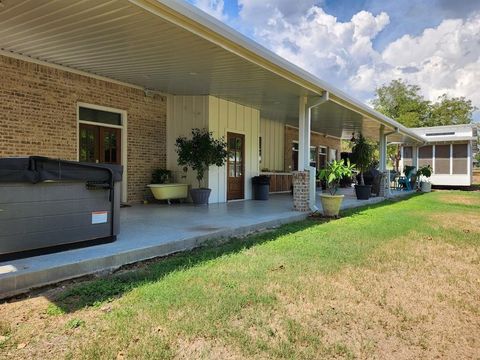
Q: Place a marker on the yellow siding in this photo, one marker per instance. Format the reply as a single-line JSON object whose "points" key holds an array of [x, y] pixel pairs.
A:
{"points": [[273, 139], [226, 116], [183, 114]]}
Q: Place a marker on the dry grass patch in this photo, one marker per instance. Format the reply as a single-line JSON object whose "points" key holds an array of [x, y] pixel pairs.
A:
{"points": [[466, 222], [449, 197]]}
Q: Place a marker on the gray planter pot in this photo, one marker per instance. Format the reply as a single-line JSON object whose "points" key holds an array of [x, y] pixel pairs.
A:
{"points": [[363, 191], [200, 196]]}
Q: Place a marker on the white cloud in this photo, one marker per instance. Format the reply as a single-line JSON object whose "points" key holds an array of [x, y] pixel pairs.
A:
{"points": [[445, 59], [317, 41], [213, 7]]}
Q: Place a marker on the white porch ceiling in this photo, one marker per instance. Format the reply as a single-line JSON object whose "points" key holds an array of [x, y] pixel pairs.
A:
{"points": [[120, 40]]}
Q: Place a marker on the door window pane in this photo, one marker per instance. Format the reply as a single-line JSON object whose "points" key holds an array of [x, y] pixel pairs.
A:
{"points": [[100, 116], [88, 144]]}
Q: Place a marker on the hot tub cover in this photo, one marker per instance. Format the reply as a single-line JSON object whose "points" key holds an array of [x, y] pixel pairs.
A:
{"points": [[36, 169]]}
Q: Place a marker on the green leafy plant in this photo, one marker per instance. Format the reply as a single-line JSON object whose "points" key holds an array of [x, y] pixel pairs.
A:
{"points": [[334, 172], [425, 172], [161, 176], [362, 154], [200, 152]]}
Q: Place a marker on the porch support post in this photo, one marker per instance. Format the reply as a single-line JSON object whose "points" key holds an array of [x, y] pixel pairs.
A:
{"points": [[303, 134], [301, 178], [383, 149], [385, 180]]}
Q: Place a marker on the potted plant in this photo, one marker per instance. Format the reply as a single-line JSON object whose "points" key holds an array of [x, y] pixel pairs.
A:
{"points": [[362, 153], [332, 175], [424, 174], [199, 153], [161, 176]]}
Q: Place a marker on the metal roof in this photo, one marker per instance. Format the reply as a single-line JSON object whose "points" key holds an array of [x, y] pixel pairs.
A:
{"points": [[173, 47], [447, 133]]}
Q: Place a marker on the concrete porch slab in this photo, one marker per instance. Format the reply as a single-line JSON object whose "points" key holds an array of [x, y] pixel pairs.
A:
{"points": [[149, 231]]}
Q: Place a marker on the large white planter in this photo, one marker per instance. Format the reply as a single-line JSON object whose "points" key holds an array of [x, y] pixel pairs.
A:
{"points": [[331, 204], [425, 186]]}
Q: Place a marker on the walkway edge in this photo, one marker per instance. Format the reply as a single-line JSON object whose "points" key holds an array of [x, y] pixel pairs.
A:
{"points": [[15, 284]]}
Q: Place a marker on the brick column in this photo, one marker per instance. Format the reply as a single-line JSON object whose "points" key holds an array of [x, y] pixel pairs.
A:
{"points": [[384, 185], [301, 191]]}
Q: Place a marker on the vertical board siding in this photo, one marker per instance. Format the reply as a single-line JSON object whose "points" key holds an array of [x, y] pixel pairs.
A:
{"points": [[184, 114], [223, 117], [273, 139]]}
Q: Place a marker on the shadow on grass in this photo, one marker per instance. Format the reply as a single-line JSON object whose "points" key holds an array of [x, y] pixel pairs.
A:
{"points": [[98, 291]]}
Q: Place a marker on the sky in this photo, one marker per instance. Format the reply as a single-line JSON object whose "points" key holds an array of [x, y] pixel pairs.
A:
{"points": [[359, 45]]}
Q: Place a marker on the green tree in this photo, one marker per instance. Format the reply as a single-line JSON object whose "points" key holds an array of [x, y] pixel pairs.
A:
{"points": [[451, 111], [403, 103]]}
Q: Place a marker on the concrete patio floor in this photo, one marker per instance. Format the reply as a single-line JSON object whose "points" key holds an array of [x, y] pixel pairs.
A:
{"points": [[154, 230]]}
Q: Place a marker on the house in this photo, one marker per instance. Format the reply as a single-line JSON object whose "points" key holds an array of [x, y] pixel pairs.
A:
{"points": [[118, 81], [448, 150]]}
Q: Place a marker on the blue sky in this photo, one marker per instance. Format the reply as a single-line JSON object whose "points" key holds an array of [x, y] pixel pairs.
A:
{"points": [[358, 45]]}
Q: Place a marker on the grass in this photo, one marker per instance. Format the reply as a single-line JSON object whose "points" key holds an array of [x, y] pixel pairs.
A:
{"points": [[397, 280]]}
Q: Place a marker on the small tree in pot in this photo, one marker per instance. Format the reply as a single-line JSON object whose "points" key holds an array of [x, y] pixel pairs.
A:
{"points": [[424, 174], [362, 153], [332, 175], [199, 153]]}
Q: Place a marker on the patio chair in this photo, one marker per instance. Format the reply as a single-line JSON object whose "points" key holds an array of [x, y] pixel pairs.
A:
{"points": [[408, 180], [394, 177]]}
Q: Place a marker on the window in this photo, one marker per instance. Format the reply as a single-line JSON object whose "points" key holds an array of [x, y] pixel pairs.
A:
{"points": [[407, 156], [313, 156], [442, 159], [99, 116], [460, 159], [100, 135], [425, 155], [260, 150], [441, 134], [332, 155], [322, 157], [294, 156]]}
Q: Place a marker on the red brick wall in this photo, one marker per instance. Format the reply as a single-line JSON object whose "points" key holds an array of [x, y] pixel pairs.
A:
{"points": [[38, 116]]}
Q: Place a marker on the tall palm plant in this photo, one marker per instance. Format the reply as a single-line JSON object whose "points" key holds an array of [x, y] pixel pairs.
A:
{"points": [[362, 154]]}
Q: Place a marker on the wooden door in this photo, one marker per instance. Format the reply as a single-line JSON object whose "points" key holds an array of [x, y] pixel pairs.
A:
{"points": [[100, 144], [236, 166]]}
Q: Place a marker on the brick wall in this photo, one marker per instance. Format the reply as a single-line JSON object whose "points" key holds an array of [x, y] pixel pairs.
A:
{"points": [[291, 134], [301, 191], [38, 116]]}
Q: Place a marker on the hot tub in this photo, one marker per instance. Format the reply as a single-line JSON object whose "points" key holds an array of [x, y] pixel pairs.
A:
{"points": [[50, 204]]}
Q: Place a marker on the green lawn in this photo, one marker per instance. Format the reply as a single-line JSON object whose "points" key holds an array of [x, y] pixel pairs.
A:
{"points": [[395, 280]]}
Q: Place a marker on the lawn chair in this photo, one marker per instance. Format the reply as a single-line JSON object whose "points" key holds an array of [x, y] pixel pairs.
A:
{"points": [[407, 181]]}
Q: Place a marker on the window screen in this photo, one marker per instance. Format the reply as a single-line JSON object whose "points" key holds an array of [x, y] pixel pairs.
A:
{"points": [[100, 116], [425, 155], [407, 156], [442, 159], [460, 158]]}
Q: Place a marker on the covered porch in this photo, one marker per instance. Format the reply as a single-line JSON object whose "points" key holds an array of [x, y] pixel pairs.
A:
{"points": [[154, 230]]}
